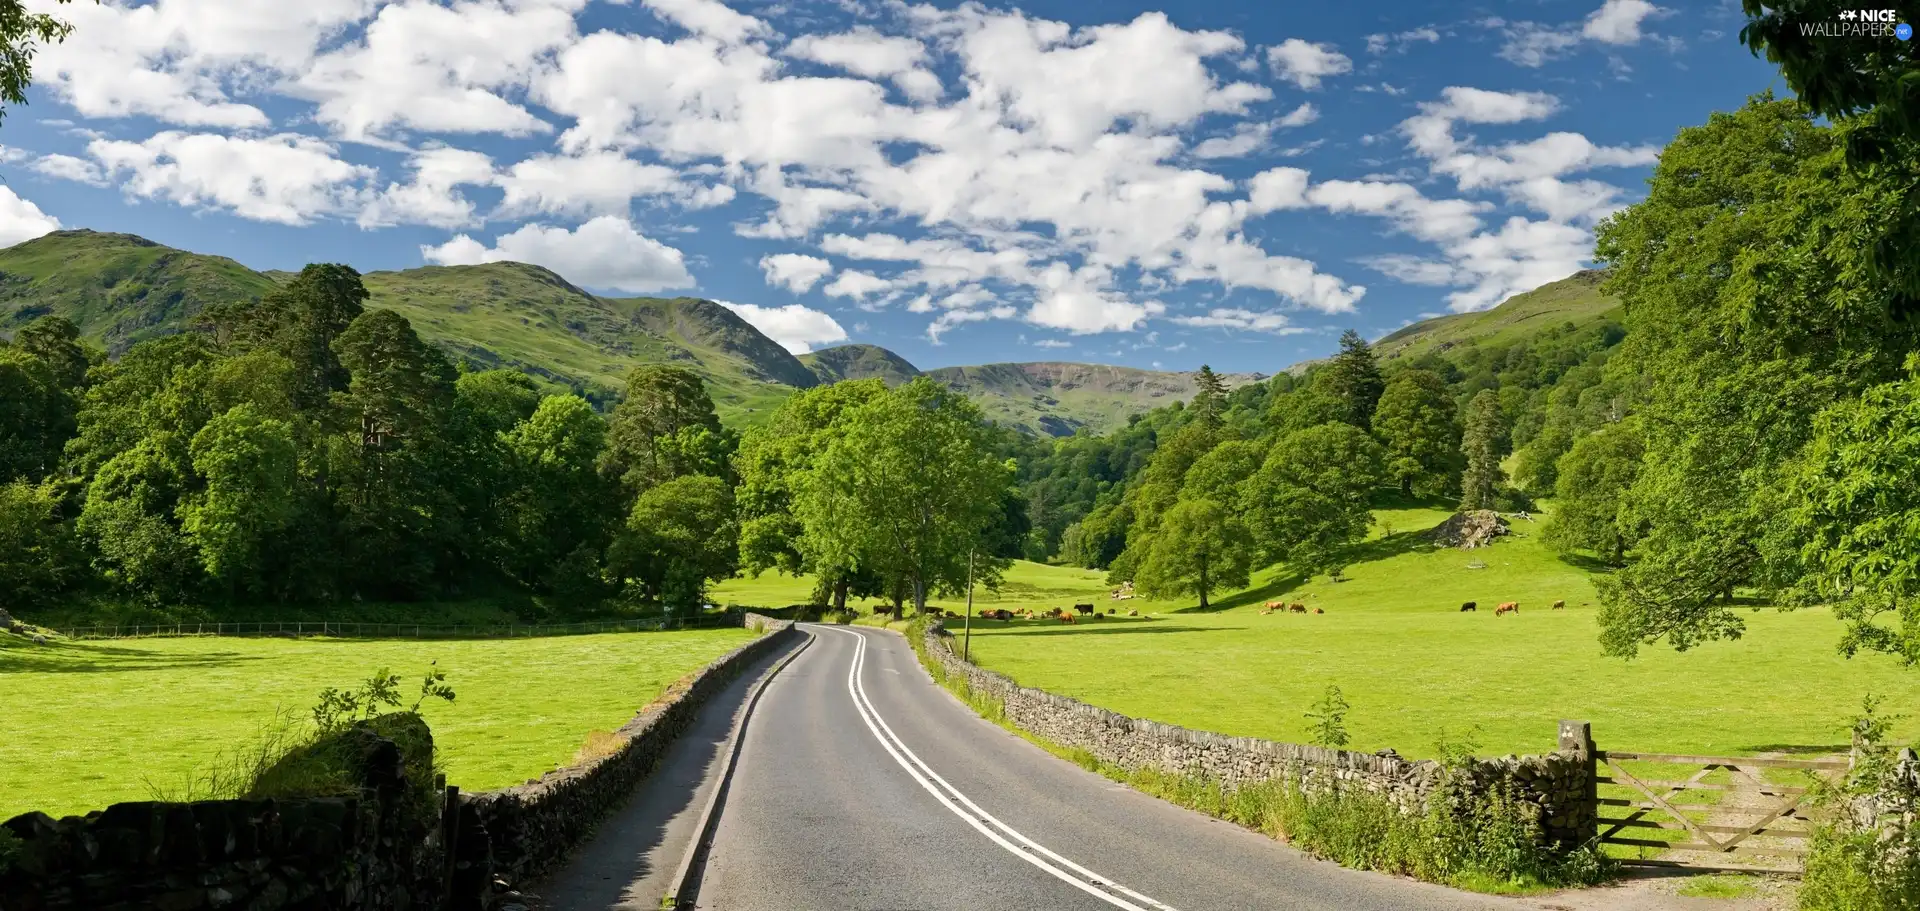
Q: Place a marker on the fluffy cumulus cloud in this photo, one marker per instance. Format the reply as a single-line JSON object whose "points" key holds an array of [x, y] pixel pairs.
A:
{"points": [[962, 164], [798, 329], [606, 252], [21, 220], [1305, 63], [1615, 23]]}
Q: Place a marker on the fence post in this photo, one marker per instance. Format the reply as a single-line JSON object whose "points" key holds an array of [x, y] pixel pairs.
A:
{"points": [[1576, 737]]}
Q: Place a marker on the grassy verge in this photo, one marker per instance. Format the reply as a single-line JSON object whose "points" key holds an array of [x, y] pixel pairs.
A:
{"points": [[95, 723], [1484, 843]]}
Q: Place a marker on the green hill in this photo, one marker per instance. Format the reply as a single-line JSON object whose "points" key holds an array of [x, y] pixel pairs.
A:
{"points": [[859, 362], [1060, 399], [1575, 299], [120, 289]]}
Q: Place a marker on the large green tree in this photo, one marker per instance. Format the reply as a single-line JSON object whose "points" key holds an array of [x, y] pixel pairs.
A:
{"points": [[558, 510], [1200, 548], [664, 428], [1592, 483], [1310, 496], [1352, 381], [250, 471], [1415, 422], [1482, 444], [1209, 397], [301, 320], [908, 488], [1751, 306], [39, 557], [679, 537]]}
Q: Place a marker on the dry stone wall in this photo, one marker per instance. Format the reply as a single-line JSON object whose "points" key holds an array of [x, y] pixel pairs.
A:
{"points": [[342, 854], [518, 833], [1557, 784]]}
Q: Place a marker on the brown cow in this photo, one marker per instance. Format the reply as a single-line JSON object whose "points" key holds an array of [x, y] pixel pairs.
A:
{"points": [[1133, 613], [1318, 611], [1559, 605], [1507, 607], [1470, 605], [1297, 608], [1270, 605], [1067, 618]]}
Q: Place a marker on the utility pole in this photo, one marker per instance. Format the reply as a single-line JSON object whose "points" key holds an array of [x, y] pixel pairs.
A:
{"points": [[966, 643]]}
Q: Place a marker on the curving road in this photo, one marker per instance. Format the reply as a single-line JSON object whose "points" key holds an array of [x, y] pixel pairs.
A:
{"points": [[863, 785]]}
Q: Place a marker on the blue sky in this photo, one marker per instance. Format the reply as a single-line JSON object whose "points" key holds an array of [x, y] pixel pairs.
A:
{"points": [[1155, 185]]}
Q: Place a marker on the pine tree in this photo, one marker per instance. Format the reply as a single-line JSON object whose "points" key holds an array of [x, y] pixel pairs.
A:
{"points": [[1209, 396], [1482, 446], [1353, 381]]}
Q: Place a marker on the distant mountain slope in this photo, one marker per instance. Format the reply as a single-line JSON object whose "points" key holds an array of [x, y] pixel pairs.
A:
{"points": [[121, 289], [1060, 399], [1575, 299], [118, 288], [859, 362]]}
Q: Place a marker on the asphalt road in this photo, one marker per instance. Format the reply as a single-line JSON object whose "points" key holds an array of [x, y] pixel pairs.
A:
{"points": [[863, 786]]}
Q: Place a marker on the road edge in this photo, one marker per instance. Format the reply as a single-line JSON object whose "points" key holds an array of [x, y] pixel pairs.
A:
{"points": [[686, 880]]}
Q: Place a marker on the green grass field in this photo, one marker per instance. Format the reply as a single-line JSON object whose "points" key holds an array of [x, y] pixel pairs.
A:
{"points": [[1411, 664], [88, 724]]}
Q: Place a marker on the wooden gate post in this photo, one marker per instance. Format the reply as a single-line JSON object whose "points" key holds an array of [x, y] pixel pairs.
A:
{"points": [[1577, 737]]}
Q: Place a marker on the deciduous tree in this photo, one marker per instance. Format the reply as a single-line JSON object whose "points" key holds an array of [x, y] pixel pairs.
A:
{"points": [[1415, 422], [1200, 548]]}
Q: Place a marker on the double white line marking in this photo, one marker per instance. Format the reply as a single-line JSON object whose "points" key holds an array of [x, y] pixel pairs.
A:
{"points": [[1005, 836]]}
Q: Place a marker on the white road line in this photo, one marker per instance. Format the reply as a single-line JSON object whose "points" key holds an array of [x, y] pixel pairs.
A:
{"points": [[1019, 845]]}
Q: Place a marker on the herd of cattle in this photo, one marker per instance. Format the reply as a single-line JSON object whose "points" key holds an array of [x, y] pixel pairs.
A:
{"points": [[1065, 615], [1506, 607]]}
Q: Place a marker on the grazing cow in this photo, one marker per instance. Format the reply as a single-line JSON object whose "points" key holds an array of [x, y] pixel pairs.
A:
{"points": [[1507, 607], [1067, 618], [1109, 611], [1271, 605], [1318, 611], [1084, 608], [1470, 605], [1133, 613], [1297, 608], [1559, 605]]}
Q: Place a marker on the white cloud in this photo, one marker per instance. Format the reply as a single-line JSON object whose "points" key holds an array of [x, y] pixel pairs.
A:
{"points": [[1305, 63], [287, 178], [1618, 21], [1235, 318], [21, 220], [708, 18], [592, 183], [798, 329], [1052, 343], [1531, 44], [857, 285], [67, 167], [1073, 301], [795, 272], [433, 196], [1249, 137], [1381, 43], [606, 252], [867, 53]]}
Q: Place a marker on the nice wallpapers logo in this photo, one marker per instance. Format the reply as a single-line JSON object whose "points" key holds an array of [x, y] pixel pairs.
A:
{"points": [[1860, 23]]}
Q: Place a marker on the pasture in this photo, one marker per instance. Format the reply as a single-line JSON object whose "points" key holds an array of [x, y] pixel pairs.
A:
{"points": [[87, 724], [1413, 666]]}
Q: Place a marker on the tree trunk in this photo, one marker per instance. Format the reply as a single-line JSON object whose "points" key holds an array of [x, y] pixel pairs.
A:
{"points": [[840, 594], [919, 597], [1203, 586], [1406, 487]]}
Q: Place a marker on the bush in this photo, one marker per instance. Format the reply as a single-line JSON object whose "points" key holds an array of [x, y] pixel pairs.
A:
{"points": [[1854, 867]]}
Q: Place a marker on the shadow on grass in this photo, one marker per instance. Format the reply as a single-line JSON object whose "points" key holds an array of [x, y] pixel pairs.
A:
{"points": [[68, 658]]}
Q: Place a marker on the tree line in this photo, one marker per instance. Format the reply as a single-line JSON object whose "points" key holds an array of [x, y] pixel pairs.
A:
{"points": [[305, 448]]}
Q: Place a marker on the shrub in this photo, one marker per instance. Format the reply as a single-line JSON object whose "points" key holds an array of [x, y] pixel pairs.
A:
{"points": [[1329, 717], [1853, 866]]}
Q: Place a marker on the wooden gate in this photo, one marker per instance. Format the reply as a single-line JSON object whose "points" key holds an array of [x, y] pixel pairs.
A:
{"points": [[1732, 813]]}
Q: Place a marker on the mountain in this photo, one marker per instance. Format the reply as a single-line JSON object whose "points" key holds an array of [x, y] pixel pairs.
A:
{"points": [[1060, 399], [121, 289], [859, 362], [1574, 300]]}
